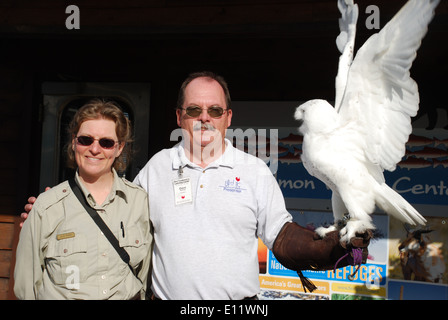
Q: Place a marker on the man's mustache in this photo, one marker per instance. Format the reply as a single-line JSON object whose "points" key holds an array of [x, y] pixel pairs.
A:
{"points": [[203, 126]]}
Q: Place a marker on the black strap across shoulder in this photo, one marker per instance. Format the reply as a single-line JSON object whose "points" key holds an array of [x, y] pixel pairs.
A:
{"points": [[100, 223]]}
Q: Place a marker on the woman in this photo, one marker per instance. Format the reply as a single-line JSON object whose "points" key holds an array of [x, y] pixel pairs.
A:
{"points": [[62, 253]]}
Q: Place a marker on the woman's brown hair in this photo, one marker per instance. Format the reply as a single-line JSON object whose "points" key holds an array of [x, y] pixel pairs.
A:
{"points": [[100, 109]]}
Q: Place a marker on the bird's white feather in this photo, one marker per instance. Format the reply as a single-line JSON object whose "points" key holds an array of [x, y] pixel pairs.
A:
{"points": [[346, 44], [380, 94], [349, 146]]}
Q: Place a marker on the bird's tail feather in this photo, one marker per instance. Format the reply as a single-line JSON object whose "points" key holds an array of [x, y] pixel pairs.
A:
{"points": [[394, 204]]}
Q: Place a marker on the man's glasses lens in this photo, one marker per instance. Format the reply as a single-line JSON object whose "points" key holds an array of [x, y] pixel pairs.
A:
{"points": [[104, 142], [214, 112]]}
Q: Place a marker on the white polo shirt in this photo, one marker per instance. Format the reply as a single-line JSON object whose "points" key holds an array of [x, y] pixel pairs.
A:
{"points": [[207, 248]]}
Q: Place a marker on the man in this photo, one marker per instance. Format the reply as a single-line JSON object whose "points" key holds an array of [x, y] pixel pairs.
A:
{"points": [[209, 202]]}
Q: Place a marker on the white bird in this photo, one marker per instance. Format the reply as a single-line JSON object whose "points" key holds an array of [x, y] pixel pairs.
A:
{"points": [[350, 145]]}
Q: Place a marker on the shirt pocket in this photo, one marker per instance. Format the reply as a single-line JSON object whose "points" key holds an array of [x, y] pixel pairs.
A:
{"points": [[135, 244], [67, 258]]}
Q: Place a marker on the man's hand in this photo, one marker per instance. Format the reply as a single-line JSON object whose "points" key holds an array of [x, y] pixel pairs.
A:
{"points": [[298, 248], [28, 207]]}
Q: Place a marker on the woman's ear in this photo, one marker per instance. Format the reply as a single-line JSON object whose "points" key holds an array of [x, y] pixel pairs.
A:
{"points": [[120, 149]]}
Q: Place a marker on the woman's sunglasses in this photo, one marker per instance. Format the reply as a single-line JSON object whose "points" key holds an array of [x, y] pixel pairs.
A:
{"points": [[214, 112], [105, 143]]}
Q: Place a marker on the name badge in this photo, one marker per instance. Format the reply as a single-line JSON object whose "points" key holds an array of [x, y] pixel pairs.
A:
{"points": [[63, 236], [182, 191]]}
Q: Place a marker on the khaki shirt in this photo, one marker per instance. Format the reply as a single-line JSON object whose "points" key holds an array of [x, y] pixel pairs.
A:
{"points": [[62, 253]]}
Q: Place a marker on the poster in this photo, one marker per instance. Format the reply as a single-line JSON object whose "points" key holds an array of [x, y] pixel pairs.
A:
{"points": [[369, 282], [404, 263]]}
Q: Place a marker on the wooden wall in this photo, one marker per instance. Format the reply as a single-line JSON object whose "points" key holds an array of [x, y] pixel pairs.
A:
{"points": [[9, 231], [266, 49]]}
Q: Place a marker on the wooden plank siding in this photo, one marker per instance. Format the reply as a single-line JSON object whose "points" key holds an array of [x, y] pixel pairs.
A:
{"points": [[9, 232]]}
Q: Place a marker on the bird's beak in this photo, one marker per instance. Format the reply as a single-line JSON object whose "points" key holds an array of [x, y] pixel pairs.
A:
{"points": [[298, 115]]}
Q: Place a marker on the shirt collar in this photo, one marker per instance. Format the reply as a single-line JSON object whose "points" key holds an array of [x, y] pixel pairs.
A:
{"points": [[118, 188]]}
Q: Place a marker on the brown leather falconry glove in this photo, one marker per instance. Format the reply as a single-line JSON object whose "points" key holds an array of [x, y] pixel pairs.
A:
{"points": [[298, 248]]}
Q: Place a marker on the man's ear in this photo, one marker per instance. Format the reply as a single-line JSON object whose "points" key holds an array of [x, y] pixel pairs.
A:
{"points": [[179, 116], [229, 117]]}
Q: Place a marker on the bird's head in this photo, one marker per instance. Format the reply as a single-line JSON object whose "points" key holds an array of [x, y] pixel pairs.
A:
{"points": [[315, 115]]}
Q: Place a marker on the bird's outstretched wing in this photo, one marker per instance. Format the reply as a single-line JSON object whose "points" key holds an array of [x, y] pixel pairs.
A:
{"points": [[380, 96], [346, 44]]}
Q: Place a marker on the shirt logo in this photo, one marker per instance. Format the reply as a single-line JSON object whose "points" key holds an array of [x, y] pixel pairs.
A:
{"points": [[233, 185]]}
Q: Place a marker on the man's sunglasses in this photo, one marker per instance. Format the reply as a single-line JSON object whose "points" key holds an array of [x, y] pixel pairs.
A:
{"points": [[105, 143], [214, 112]]}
